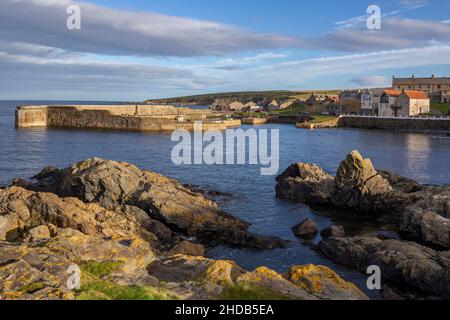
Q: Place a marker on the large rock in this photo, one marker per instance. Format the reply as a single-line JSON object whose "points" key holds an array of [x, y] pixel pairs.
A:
{"points": [[358, 184], [306, 229], [333, 231], [426, 226], [187, 248], [400, 261], [420, 212], [40, 270], [113, 184], [22, 210], [305, 183], [324, 283], [217, 276]]}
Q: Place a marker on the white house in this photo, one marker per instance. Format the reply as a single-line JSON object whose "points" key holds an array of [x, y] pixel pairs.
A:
{"points": [[404, 103]]}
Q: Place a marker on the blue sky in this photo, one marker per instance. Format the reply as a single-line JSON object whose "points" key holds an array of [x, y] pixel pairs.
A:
{"points": [[135, 49]]}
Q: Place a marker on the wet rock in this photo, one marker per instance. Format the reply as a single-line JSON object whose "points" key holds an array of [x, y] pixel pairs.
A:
{"points": [[400, 261], [187, 248], [306, 229], [333, 231], [420, 212], [114, 184], [305, 183], [400, 183], [324, 283], [428, 220], [388, 235]]}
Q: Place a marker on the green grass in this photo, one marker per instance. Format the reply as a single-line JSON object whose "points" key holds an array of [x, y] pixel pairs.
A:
{"points": [[321, 118], [95, 285], [32, 287], [105, 290], [245, 96], [101, 269], [294, 109], [298, 108], [251, 114], [245, 292], [440, 108]]}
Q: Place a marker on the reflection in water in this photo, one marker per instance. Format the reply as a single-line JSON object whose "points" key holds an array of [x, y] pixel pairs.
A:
{"points": [[418, 149]]}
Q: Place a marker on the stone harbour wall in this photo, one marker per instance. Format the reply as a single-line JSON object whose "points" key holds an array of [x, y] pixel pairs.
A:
{"points": [[396, 124], [124, 118]]}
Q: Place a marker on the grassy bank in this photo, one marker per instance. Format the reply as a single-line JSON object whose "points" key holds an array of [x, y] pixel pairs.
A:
{"points": [[440, 108], [244, 97]]}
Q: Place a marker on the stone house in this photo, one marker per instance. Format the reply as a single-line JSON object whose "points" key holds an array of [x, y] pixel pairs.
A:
{"points": [[438, 89], [334, 109], [332, 98], [405, 103], [273, 105], [319, 98], [314, 99], [413, 103], [370, 101], [286, 104], [236, 106], [252, 107], [350, 100]]}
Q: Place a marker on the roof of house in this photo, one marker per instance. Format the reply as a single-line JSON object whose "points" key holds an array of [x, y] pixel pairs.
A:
{"points": [[274, 103], [350, 94], [421, 81], [376, 91], [236, 105], [421, 95], [393, 93]]}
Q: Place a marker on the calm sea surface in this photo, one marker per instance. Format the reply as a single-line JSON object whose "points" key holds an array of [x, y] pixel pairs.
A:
{"points": [[425, 158]]}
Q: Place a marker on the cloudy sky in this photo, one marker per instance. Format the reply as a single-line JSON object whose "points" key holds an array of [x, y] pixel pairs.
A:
{"points": [[138, 49]]}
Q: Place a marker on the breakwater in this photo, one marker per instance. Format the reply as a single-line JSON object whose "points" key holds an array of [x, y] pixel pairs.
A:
{"points": [[396, 124], [156, 118]]}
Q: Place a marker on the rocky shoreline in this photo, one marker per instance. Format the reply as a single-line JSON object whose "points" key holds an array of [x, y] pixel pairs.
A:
{"points": [[135, 234], [417, 256]]}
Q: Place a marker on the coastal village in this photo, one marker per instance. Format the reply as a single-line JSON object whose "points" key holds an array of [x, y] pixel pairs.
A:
{"points": [[408, 97], [410, 104]]}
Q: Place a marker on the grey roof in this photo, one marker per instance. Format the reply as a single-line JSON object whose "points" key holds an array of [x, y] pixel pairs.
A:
{"points": [[421, 81], [377, 91]]}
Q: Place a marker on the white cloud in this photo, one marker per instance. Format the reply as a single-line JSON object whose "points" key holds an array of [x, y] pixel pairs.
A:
{"points": [[120, 32], [302, 72], [396, 34], [372, 81], [414, 3]]}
